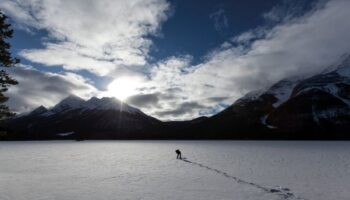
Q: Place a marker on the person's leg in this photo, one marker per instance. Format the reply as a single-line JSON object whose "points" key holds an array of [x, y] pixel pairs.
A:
{"points": [[180, 156]]}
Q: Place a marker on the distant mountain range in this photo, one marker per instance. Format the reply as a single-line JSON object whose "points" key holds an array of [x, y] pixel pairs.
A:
{"points": [[317, 107]]}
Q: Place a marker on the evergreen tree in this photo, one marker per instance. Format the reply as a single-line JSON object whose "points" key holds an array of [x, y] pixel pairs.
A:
{"points": [[6, 60]]}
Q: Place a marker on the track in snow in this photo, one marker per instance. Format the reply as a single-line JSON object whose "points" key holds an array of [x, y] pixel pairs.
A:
{"points": [[285, 193]]}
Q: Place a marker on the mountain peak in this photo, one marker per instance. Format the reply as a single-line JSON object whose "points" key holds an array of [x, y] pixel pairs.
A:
{"points": [[72, 97], [341, 66], [112, 103], [73, 102], [99, 101], [39, 110], [70, 102], [343, 69]]}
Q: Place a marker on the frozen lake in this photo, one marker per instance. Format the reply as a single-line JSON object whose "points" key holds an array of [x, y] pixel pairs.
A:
{"points": [[109, 170]]}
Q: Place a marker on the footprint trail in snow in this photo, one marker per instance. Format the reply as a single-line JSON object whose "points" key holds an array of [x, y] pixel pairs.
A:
{"points": [[285, 193]]}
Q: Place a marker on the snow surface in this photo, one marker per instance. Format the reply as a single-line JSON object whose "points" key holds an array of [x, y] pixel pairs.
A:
{"points": [[264, 122], [250, 96], [239, 170], [65, 134], [71, 102], [283, 90]]}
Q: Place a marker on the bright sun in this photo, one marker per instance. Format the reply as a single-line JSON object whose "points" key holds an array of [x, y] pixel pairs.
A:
{"points": [[123, 87]]}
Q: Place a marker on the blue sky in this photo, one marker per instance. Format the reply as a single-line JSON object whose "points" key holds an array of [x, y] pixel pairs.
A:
{"points": [[190, 29], [172, 59]]}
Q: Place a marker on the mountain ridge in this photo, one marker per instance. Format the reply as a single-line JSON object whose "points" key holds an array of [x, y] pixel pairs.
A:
{"points": [[316, 107]]}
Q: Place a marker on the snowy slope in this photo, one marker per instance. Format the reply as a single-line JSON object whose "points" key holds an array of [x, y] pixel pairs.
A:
{"points": [[295, 107], [327, 81], [38, 111], [319, 103], [342, 67], [105, 118], [148, 170], [71, 102], [106, 103], [282, 90], [250, 96]]}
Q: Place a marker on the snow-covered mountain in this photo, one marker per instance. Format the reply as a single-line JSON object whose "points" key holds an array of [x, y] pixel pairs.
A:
{"points": [[314, 107], [73, 102], [95, 119], [319, 104]]}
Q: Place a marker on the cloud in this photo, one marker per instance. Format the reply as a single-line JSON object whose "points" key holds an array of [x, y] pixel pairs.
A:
{"points": [[220, 20], [38, 88], [143, 100], [17, 13], [106, 37], [169, 94], [99, 36], [289, 10], [182, 110], [300, 46]]}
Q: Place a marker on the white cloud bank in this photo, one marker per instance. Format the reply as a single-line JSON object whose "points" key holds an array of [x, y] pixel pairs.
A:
{"points": [[99, 36], [38, 88]]}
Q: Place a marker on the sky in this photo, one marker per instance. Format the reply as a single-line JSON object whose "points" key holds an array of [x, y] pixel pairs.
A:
{"points": [[173, 59]]}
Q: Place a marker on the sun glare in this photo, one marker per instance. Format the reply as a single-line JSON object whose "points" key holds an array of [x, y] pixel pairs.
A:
{"points": [[123, 87]]}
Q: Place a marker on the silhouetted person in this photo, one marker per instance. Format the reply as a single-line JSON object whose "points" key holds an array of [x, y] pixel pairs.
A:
{"points": [[178, 152]]}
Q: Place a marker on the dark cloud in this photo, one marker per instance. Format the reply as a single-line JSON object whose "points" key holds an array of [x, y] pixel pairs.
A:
{"points": [[37, 88], [184, 108], [217, 99], [144, 100], [209, 86]]}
